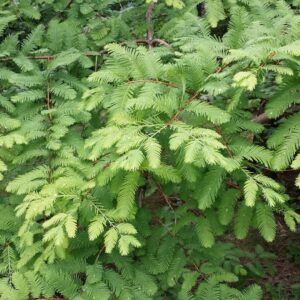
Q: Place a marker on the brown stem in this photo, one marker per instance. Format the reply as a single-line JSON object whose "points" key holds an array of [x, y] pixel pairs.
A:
{"points": [[165, 197], [149, 17], [49, 107], [175, 117], [221, 68], [99, 253], [232, 184], [155, 41], [141, 196], [51, 57], [219, 131], [262, 118], [168, 84], [49, 102]]}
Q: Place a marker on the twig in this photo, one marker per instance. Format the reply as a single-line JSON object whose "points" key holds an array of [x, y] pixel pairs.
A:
{"points": [[141, 196], [162, 42], [262, 118], [49, 98], [96, 63], [221, 68], [150, 30], [232, 184], [219, 131], [51, 57], [175, 117], [165, 197], [99, 253], [155, 41], [168, 84], [49, 106]]}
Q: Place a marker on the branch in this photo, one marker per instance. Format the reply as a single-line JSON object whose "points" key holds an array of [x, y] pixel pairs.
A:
{"points": [[150, 31], [155, 41], [175, 117], [48, 100], [165, 197], [231, 184], [162, 42], [51, 57], [262, 118], [168, 84], [99, 253]]}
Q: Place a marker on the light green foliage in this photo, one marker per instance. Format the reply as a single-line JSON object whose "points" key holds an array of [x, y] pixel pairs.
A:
{"points": [[246, 80], [125, 156]]}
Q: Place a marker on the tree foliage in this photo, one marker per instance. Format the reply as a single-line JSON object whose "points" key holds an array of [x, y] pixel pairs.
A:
{"points": [[133, 134]]}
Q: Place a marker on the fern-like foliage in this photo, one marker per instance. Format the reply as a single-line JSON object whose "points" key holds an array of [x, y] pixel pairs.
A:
{"points": [[127, 148]]}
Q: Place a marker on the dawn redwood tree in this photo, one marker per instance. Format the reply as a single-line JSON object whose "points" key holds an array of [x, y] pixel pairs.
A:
{"points": [[135, 136]]}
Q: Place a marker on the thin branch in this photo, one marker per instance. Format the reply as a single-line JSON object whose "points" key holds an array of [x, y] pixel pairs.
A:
{"points": [[141, 196], [155, 41], [219, 131], [48, 99], [51, 57], [150, 30], [99, 253], [231, 184], [172, 85], [49, 107], [162, 42], [175, 117], [96, 63], [168, 84], [262, 118], [165, 197]]}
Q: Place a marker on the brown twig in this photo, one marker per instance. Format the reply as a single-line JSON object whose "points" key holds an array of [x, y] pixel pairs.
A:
{"points": [[155, 41], [49, 107], [221, 68], [48, 100], [99, 253], [232, 184], [141, 196], [51, 57], [162, 42], [219, 131], [261, 118], [168, 84], [150, 30], [176, 115], [165, 197]]}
